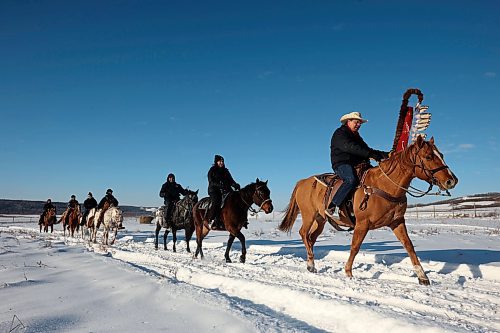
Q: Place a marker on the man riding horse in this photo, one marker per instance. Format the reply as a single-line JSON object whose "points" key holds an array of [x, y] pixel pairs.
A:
{"points": [[106, 202], [220, 182], [347, 150], [72, 204], [46, 207], [171, 192], [88, 204]]}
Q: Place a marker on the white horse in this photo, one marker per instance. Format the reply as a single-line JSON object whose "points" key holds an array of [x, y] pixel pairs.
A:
{"points": [[113, 219]]}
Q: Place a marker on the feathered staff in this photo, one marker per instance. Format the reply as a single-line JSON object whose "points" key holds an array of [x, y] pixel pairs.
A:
{"points": [[410, 125]]}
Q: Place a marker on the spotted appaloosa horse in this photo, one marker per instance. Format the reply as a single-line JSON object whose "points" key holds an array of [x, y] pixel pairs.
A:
{"points": [[113, 218], [234, 215], [182, 218], [379, 201]]}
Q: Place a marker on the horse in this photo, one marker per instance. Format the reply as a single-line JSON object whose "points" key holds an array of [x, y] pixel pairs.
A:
{"points": [[90, 224], [49, 219], [113, 218], [182, 218], [379, 200], [234, 214], [72, 215]]}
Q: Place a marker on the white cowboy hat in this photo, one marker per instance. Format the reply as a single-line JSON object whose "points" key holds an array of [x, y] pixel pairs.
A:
{"points": [[352, 115]]}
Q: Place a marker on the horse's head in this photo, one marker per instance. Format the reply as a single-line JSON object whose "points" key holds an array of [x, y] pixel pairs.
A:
{"points": [[430, 166], [191, 196], [262, 196]]}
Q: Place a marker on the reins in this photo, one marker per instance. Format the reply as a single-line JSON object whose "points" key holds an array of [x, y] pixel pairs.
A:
{"points": [[253, 210]]}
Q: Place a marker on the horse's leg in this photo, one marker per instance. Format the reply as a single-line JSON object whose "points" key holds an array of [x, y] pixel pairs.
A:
{"points": [[114, 235], [360, 231], [165, 236], [228, 247], [305, 231], [241, 238], [188, 234], [201, 232], [402, 234], [174, 238], [157, 232]]}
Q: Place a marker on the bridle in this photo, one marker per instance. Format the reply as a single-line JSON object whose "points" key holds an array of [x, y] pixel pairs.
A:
{"points": [[260, 195], [429, 173]]}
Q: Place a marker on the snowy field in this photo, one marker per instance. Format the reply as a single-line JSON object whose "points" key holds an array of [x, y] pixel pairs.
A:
{"points": [[52, 283]]}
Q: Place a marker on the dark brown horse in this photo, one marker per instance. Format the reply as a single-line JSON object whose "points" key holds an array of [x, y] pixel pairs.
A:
{"points": [[234, 215], [182, 218], [379, 201], [49, 220]]}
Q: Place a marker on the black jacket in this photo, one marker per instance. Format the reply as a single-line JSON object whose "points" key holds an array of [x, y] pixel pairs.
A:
{"points": [[171, 191], [219, 179], [348, 147], [108, 198], [73, 203], [48, 206], [90, 203]]}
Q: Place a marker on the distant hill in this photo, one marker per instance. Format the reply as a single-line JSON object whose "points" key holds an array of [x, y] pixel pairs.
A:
{"points": [[27, 207], [485, 200]]}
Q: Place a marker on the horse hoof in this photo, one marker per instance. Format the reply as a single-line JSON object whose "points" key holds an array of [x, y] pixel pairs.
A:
{"points": [[312, 269], [424, 282], [242, 259], [228, 260]]}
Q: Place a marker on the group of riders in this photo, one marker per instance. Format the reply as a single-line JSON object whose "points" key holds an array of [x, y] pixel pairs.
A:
{"points": [[107, 201], [347, 150]]}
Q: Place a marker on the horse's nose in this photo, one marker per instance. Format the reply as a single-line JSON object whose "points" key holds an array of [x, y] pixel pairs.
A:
{"points": [[450, 183]]}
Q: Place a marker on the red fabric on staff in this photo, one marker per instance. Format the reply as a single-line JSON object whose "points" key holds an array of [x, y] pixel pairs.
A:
{"points": [[405, 133]]}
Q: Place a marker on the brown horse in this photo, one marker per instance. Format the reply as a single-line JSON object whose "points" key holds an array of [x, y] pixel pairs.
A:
{"points": [[49, 220], [234, 215], [71, 219], [379, 201]]}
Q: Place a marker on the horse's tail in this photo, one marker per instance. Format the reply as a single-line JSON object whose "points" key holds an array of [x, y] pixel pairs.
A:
{"points": [[291, 212]]}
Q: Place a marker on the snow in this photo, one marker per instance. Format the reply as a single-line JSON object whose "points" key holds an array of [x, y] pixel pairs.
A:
{"points": [[49, 282]]}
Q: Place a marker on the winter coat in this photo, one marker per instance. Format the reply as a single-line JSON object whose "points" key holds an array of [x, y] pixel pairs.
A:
{"points": [[73, 203], [219, 179], [171, 191], [108, 198], [48, 206], [90, 203], [347, 147]]}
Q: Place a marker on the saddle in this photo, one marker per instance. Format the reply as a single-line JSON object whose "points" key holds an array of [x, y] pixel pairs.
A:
{"points": [[332, 183]]}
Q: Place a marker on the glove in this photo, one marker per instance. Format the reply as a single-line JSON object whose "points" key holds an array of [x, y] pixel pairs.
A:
{"points": [[236, 186], [378, 155]]}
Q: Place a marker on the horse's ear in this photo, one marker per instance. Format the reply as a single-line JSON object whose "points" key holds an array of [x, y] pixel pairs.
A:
{"points": [[266, 182], [420, 141], [257, 180], [196, 191], [431, 140]]}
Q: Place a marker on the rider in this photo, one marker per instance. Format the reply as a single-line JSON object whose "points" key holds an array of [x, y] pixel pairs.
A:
{"points": [[220, 182], [170, 192], [46, 207], [88, 204], [72, 204], [111, 200], [348, 150]]}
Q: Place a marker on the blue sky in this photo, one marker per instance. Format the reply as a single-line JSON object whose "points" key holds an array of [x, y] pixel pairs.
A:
{"points": [[117, 94]]}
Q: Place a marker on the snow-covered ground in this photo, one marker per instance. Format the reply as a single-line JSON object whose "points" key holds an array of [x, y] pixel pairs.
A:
{"points": [[60, 284]]}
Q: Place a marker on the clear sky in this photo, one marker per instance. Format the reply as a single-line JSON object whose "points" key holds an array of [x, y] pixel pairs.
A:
{"points": [[117, 94]]}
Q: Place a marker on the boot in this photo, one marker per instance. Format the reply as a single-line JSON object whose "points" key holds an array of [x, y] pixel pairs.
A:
{"points": [[217, 224], [332, 212]]}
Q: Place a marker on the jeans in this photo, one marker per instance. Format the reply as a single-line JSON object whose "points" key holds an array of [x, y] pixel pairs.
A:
{"points": [[346, 173]]}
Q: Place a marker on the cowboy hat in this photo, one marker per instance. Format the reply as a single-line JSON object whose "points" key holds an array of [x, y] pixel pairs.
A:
{"points": [[352, 115]]}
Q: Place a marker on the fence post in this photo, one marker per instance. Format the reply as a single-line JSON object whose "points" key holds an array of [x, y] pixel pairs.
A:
{"points": [[416, 210], [475, 215], [434, 209]]}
